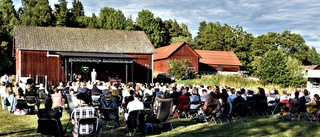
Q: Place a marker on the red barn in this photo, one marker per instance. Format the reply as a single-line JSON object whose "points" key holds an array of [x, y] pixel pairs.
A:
{"points": [[218, 62], [55, 54], [175, 51]]}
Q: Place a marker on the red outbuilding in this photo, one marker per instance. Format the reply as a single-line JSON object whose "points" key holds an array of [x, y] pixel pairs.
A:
{"points": [[56, 54], [177, 51]]}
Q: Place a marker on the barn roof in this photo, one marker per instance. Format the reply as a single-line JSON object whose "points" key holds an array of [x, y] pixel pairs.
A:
{"points": [[166, 51], [218, 57], [81, 40]]}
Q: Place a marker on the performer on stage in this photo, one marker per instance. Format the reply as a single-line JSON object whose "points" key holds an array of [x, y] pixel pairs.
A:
{"points": [[93, 76]]}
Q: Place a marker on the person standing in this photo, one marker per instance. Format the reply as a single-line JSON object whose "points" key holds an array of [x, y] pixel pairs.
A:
{"points": [[93, 76]]}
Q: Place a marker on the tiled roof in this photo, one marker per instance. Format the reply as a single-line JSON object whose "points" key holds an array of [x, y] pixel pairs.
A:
{"points": [[81, 40], [218, 57], [166, 51]]}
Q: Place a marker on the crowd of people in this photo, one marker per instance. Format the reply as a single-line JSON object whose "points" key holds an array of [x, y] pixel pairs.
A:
{"points": [[125, 98]]}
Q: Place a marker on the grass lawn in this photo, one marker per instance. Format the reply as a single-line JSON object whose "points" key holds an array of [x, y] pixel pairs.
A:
{"points": [[12, 125]]}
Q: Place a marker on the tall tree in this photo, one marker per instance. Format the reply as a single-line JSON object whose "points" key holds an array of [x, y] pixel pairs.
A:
{"points": [[27, 16], [153, 27], [61, 13], [8, 18], [277, 68], [43, 12], [130, 24], [293, 45], [110, 18], [76, 14]]}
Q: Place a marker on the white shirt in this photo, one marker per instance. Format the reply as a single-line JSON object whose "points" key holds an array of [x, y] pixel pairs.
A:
{"points": [[135, 105]]}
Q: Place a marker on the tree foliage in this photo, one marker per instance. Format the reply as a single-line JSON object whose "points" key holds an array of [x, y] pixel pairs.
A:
{"points": [[110, 18], [178, 68], [277, 68]]}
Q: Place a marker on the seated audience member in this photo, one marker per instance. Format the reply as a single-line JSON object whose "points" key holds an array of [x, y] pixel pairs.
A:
{"points": [[310, 105], [261, 94], [56, 98], [250, 96], [233, 95], [108, 103], [18, 92], [194, 98], [41, 90], [238, 99], [95, 93], [184, 97], [31, 92], [294, 103], [226, 104], [136, 104], [243, 93], [48, 112], [128, 99], [10, 100], [175, 94], [306, 95], [212, 100], [148, 91], [84, 111], [204, 96]]}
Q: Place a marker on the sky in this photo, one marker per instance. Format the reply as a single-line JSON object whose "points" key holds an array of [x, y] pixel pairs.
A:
{"points": [[255, 16]]}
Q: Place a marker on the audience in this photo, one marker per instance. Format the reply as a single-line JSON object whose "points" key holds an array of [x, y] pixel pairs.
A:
{"points": [[84, 111], [48, 112]]}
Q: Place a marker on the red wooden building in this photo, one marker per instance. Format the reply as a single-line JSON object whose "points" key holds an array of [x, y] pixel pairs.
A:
{"points": [[175, 51], [218, 62], [55, 54]]}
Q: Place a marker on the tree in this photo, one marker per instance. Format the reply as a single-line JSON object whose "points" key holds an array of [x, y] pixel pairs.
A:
{"points": [[178, 68], [27, 16], [313, 57], [109, 18], [61, 13], [153, 27], [277, 68], [76, 14], [130, 24], [43, 13], [8, 18]]}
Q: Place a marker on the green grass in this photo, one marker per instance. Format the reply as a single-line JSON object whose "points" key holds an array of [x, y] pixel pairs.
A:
{"points": [[12, 125]]}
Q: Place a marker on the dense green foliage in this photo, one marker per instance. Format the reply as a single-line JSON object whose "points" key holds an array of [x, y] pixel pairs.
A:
{"points": [[178, 68], [211, 35], [274, 67]]}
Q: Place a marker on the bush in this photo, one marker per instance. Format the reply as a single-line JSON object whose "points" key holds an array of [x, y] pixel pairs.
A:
{"points": [[178, 68]]}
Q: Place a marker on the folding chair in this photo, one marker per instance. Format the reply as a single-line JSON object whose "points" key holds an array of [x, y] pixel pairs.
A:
{"points": [[70, 103], [87, 126], [183, 112], [250, 107], [136, 121], [236, 111], [213, 117], [49, 126], [193, 112], [165, 112], [313, 116], [108, 114], [41, 95], [279, 108], [293, 110], [262, 107], [32, 101], [148, 101]]}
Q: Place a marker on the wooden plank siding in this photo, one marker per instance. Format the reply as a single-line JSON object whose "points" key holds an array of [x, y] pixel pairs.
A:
{"points": [[37, 63], [140, 70], [186, 52], [161, 65]]}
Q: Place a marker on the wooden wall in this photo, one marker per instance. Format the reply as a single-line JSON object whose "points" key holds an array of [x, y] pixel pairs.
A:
{"points": [[140, 70], [37, 63], [184, 52], [161, 65]]}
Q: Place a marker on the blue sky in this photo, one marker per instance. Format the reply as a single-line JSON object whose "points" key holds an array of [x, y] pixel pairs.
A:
{"points": [[255, 16]]}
